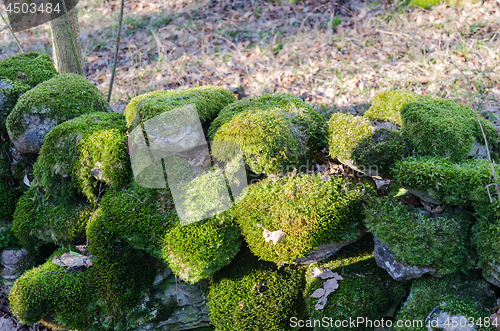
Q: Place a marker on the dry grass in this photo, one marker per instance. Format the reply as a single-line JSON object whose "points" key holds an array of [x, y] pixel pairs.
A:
{"points": [[265, 46]]}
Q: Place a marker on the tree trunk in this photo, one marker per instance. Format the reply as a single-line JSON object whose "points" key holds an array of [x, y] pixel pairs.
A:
{"points": [[66, 45]]}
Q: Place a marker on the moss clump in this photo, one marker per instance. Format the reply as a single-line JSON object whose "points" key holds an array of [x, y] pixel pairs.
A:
{"points": [[429, 124], [8, 198], [419, 239], [209, 100], [196, 251], [39, 218], [84, 153], [139, 216], [253, 295], [274, 132], [98, 298], [366, 290], [60, 99], [461, 184], [28, 68], [355, 141], [308, 209], [455, 295]]}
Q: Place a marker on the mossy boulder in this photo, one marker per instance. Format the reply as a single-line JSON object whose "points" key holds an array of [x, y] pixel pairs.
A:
{"points": [[41, 218], [461, 184], [196, 251], [453, 295], [101, 297], [275, 132], [365, 290], [253, 295], [420, 239], [84, 156], [430, 124], [48, 104], [209, 101], [29, 68], [310, 211], [360, 144]]}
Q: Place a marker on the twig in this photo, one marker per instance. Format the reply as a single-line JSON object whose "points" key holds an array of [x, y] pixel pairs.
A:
{"points": [[484, 135], [116, 51], [12, 32]]}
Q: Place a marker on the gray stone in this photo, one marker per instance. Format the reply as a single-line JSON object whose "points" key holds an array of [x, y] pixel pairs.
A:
{"points": [[324, 251], [36, 127], [491, 273], [424, 195], [3, 85], [384, 257], [14, 263], [7, 324]]}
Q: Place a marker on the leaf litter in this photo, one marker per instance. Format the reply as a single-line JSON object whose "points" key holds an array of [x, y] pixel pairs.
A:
{"points": [[329, 286]]}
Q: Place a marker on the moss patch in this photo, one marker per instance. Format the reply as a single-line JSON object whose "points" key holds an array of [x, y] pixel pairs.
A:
{"points": [[461, 296], [308, 209], [275, 132], [209, 100], [83, 153], [355, 140], [28, 68], [429, 124], [67, 96], [39, 218], [252, 295], [418, 239], [8, 100], [366, 290], [196, 251]]}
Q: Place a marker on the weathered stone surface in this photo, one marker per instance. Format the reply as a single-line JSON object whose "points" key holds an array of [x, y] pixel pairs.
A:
{"points": [[3, 85], [384, 257], [7, 324], [188, 301], [325, 251], [37, 127], [491, 273], [14, 262]]}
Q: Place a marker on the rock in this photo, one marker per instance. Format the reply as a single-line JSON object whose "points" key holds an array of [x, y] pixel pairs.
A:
{"points": [[324, 251], [7, 324], [385, 260], [491, 273], [48, 104], [424, 195], [14, 264], [188, 309]]}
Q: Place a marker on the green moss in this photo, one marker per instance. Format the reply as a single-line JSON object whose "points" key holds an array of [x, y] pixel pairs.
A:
{"points": [[209, 100], [308, 209], [84, 153], [67, 96], [39, 218], [274, 132], [354, 140], [29, 68], [196, 251], [252, 295], [8, 198], [387, 106], [461, 184], [365, 291], [429, 124], [96, 298], [419, 239], [139, 216], [459, 295]]}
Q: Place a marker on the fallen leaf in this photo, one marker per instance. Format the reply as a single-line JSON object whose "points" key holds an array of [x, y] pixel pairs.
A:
{"points": [[26, 181], [72, 260], [330, 285], [275, 236], [432, 208], [318, 293]]}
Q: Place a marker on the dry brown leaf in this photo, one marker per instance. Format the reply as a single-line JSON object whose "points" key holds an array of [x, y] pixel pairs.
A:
{"points": [[432, 208], [318, 293]]}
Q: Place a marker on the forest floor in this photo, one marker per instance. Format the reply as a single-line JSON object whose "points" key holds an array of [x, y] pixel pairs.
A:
{"points": [[335, 55]]}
